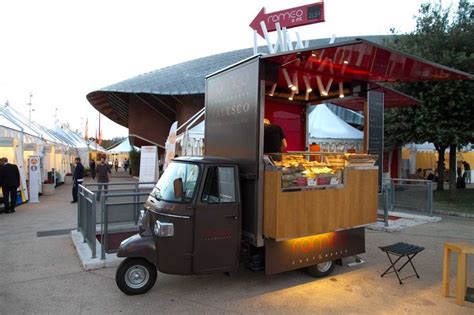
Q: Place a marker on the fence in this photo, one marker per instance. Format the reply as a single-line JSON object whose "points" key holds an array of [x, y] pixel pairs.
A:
{"points": [[406, 195], [119, 214], [86, 217], [115, 207]]}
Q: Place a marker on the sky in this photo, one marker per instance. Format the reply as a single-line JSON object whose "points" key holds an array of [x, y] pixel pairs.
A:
{"points": [[61, 50]]}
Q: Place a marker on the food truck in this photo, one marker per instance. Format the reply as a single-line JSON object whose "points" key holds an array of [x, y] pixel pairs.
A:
{"points": [[276, 211]]}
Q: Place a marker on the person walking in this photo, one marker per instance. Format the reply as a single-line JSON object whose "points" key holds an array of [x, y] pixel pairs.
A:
{"points": [[103, 177], [10, 180], [92, 167], [467, 171], [116, 165], [125, 165], [78, 178]]}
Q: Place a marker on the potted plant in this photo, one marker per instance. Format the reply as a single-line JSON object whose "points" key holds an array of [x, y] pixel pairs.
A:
{"points": [[68, 178], [49, 188], [134, 160]]}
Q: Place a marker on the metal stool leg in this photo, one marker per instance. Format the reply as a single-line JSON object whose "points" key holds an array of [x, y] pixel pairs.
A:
{"points": [[413, 266], [392, 266], [408, 261]]}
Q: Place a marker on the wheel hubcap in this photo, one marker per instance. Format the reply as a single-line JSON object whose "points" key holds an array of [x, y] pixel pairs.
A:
{"points": [[137, 276], [325, 266]]}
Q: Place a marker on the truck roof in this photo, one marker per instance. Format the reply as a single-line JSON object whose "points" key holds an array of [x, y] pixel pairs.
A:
{"points": [[205, 160]]}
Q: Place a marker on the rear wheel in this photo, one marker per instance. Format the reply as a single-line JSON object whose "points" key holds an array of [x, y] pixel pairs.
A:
{"points": [[322, 269], [135, 276]]}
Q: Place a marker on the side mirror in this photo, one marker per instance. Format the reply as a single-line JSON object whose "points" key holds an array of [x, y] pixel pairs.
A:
{"points": [[178, 188]]}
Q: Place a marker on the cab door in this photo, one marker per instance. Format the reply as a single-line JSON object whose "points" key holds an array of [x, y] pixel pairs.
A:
{"points": [[217, 221]]}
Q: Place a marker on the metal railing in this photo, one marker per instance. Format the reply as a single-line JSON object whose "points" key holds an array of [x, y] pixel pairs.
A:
{"points": [[118, 206], [119, 213], [406, 195], [86, 217]]}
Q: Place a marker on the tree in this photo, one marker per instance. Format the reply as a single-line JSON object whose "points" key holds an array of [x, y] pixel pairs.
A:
{"points": [[110, 143], [446, 114]]}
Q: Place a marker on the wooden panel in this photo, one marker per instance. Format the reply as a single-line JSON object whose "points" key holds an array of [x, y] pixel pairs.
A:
{"points": [[270, 200], [309, 212]]}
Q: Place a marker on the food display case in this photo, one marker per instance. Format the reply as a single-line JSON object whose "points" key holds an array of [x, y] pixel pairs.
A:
{"points": [[308, 170], [310, 193]]}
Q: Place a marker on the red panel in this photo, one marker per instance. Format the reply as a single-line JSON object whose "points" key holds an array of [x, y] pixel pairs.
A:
{"points": [[394, 165], [292, 119], [392, 98], [352, 61]]}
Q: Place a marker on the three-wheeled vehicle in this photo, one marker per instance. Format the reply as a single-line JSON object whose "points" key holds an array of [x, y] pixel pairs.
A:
{"points": [[207, 214]]}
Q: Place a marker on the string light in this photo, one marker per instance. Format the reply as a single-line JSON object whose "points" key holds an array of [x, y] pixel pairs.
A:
{"points": [[272, 91], [341, 90], [287, 78], [291, 95]]}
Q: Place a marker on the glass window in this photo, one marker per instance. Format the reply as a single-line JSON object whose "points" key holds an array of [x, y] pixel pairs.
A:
{"points": [[188, 173], [226, 184], [219, 186]]}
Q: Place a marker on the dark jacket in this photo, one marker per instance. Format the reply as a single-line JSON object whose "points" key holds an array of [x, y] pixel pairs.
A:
{"points": [[9, 175], [78, 171], [103, 171]]}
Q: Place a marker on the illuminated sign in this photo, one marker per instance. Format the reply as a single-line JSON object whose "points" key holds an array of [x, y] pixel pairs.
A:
{"points": [[311, 250]]}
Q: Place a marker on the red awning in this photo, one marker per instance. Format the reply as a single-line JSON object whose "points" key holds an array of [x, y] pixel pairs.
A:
{"points": [[392, 98], [331, 70]]}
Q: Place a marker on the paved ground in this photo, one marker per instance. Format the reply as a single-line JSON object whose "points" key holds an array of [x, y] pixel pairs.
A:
{"points": [[43, 275]]}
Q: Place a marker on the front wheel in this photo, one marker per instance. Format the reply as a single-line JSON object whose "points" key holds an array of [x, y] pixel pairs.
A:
{"points": [[321, 270], [135, 276]]}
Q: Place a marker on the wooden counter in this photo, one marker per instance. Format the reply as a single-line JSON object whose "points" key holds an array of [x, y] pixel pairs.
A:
{"points": [[308, 212]]}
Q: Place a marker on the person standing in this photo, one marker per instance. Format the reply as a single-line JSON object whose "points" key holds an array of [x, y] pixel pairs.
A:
{"points": [[103, 177], [116, 165], [467, 171], [125, 165], [274, 140], [10, 179], [92, 167], [78, 178]]}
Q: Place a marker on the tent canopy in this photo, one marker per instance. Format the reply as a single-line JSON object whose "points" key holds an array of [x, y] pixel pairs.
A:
{"points": [[197, 131], [68, 136], [430, 147], [324, 124], [122, 147]]}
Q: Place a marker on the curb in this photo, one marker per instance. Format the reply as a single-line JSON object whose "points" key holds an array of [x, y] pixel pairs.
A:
{"points": [[405, 220], [456, 214], [85, 254]]}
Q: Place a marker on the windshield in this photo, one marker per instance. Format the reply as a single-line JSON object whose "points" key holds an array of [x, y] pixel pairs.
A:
{"points": [[164, 188]]}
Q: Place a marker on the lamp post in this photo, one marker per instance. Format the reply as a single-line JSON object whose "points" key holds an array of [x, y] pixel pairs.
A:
{"points": [[30, 109]]}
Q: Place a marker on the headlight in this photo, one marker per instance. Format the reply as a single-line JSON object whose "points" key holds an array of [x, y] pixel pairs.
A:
{"points": [[141, 216], [163, 229], [144, 226]]}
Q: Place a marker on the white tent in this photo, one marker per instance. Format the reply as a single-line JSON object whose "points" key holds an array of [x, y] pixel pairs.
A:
{"points": [[122, 147], [430, 147], [38, 140], [331, 132], [191, 141], [122, 151], [323, 124], [74, 140], [12, 140]]}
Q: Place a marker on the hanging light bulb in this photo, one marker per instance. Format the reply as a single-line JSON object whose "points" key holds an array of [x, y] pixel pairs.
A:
{"points": [[295, 83], [306, 83], [287, 78], [291, 95], [341, 90], [272, 91], [321, 89]]}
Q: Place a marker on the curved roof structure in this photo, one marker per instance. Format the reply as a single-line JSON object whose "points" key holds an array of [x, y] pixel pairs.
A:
{"points": [[185, 78]]}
